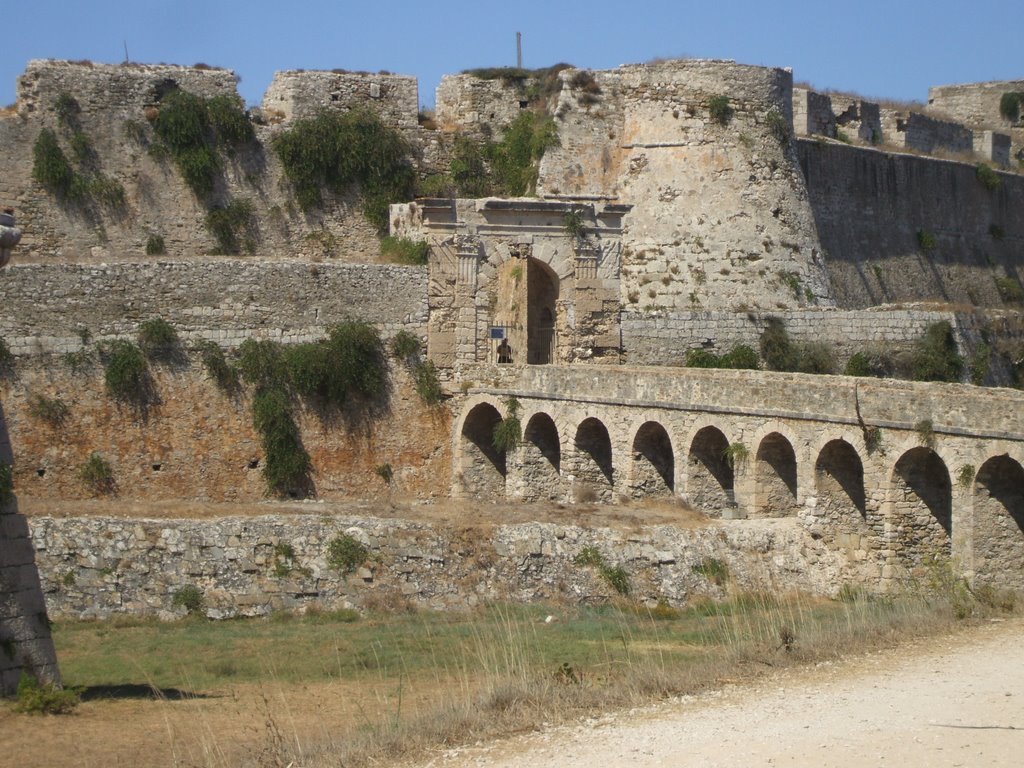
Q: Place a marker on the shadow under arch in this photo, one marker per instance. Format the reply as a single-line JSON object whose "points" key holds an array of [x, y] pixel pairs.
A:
{"points": [[592, 460], [998, 530], [482, 468], [541, 459], [775, 488], [653, 462], [921, 507], [710, 480]]}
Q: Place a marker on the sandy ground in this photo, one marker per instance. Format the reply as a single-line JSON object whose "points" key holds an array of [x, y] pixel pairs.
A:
{"points": [[953, 701]]}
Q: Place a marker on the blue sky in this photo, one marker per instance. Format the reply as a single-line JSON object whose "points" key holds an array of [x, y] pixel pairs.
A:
{"points": [[882, 49]]}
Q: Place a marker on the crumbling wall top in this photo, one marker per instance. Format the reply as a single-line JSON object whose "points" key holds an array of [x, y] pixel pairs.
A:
{"points": [[298, 94], [103, 88]]}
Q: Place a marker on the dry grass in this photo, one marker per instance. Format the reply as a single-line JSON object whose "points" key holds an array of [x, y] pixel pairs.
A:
{"points": [[323, 690]]}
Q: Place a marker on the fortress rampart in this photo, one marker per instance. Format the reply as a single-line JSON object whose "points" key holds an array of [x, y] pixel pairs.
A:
{"points": [[47, 307], [677, 212]]}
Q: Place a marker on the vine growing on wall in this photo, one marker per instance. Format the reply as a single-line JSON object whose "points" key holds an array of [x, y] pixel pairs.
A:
{"points": [[345, 372], [81, 183]]}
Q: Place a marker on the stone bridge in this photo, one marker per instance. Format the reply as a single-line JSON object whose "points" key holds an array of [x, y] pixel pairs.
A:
{"points": [[892, 473]]}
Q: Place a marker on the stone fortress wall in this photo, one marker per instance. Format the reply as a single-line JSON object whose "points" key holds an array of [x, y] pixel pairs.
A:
{"points": [[977, 104], [25, 641], [158, 201], [721, 216], [48, 307], [104, 566]]}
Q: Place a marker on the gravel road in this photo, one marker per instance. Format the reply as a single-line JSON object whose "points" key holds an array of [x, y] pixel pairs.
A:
{"points": [[952, 701]]}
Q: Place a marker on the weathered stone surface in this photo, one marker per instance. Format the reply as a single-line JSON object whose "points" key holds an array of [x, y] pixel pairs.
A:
{"points": [[509, 562]]}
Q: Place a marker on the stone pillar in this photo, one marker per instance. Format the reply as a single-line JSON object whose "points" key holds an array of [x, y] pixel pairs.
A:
{"points": [[25, 642]]}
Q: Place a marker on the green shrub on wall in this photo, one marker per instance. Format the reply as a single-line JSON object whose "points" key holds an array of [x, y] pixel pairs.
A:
{"points": [[6, 359], [126, 373], [935, 355], [233, 226], [989, 179], [286, 465], [739, 357], [158, 340], [1009, 105], [190, 128], [220, 371], [50, 166], [720, 110], [339, 152], [155, 246], [97, 476], [515, 160], [404, 251], [49, 410], [345, 553]]}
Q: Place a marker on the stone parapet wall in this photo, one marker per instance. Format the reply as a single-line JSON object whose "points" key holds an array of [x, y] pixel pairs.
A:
{"points": [[469, 103], [98, 567], [298, 94], [665, 339], [46, 307], [977, 105], [812, 113], [118, 89], [926, 134]]}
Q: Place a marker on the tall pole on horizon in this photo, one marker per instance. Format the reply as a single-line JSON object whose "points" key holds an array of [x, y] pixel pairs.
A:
{"points": [[519, 50]]}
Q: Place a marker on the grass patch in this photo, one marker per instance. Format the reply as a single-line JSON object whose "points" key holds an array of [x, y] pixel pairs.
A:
{"points": [[404, 251], [497, 669]]}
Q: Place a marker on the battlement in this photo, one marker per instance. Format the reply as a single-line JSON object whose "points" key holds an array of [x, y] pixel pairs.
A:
{"points": [[855, 120]]}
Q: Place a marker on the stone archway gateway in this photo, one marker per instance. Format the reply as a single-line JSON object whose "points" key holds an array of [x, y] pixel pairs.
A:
{"points": [[541, 313]]}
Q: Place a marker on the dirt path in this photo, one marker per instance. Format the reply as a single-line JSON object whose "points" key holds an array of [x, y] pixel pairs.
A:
{"points": [[955, 701]]}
